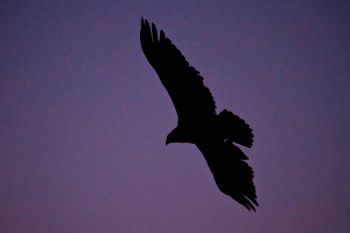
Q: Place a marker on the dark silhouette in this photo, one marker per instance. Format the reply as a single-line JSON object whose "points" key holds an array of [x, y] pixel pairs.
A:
{"points": [[198, 122]]}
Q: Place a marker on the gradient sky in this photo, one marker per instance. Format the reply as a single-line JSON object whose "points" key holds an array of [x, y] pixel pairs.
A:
{"points": [[84, 117]]}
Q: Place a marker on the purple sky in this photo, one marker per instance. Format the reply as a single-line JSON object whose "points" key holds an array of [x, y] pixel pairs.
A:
{"points": [[84, 117]]}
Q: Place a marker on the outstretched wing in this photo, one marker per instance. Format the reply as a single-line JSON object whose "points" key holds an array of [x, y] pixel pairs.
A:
{"points": [[232, 174], [192, 100]]}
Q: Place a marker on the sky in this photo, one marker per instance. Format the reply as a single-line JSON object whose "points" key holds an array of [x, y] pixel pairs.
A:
{"points": [[84, 118]]}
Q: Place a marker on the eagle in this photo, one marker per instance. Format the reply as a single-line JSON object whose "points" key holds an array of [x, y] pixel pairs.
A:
{"points": [[198, 123]]}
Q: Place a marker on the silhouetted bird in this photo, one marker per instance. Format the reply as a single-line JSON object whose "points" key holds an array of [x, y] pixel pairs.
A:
{"points": [[198, 122]]}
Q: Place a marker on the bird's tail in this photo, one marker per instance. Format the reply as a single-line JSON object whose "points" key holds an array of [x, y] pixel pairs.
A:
{"points": [[232, 174], [235, 129]]}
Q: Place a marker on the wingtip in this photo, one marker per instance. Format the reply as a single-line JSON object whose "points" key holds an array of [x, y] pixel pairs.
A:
{"points": [[154, 33], [144, 22], [248, 202], [162, 35]]}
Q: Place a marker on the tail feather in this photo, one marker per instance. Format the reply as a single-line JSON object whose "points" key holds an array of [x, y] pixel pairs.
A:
{"points": [[235, 129]]}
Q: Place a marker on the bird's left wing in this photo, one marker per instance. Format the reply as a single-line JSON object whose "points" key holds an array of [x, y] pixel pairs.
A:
{"points": [[231, 172], [191, 98]]}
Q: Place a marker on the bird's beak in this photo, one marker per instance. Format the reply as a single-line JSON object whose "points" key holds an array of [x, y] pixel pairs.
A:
{"points": [[166, 142]]}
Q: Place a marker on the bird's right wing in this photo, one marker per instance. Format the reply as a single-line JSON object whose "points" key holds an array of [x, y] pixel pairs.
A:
{"points": [[191, 98], [231, 172]]}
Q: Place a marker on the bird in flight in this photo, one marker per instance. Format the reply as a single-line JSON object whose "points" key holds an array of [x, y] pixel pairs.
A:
{"points": [[198, 123]]}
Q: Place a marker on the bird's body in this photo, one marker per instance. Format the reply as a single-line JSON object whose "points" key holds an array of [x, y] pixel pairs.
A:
{"points": [[198, 122]]}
